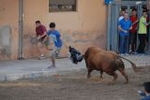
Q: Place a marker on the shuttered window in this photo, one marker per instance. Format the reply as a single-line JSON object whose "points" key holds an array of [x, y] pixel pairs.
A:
{"points": [[62, 5]]}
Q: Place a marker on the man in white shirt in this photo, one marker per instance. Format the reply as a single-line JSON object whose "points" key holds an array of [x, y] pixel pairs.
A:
{"points": [[122, 15]]}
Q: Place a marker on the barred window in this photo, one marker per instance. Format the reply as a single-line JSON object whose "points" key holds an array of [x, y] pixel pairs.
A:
{"points": [[62, 5]]}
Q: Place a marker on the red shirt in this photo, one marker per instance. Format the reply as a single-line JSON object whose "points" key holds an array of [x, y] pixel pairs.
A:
{"points": [[134, 27], [40, 30]]}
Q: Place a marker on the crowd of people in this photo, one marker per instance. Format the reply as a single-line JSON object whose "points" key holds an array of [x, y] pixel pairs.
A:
{"points": [[131, 27]]}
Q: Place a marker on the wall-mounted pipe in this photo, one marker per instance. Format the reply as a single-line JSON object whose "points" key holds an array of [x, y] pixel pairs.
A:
{"points": [[21, 18]]}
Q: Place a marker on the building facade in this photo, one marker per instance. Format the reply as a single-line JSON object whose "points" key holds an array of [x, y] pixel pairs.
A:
{"points": [[81, 25]]}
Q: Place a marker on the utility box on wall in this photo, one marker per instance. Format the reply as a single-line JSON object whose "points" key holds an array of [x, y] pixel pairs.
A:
{"points": [[5, 42]]}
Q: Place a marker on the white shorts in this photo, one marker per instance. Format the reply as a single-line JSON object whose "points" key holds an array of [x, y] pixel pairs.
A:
{"points": [[55, 52]]}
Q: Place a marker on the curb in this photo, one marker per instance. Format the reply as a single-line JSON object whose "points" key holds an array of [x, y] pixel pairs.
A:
{"points": [[33, 75]]}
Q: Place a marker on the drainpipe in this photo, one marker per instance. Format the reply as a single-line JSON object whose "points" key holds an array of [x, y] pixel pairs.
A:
{"points": [[21, 17], [108, 27]]}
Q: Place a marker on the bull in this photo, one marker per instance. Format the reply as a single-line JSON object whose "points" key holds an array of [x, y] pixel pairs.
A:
{"points": [[105, 61]]}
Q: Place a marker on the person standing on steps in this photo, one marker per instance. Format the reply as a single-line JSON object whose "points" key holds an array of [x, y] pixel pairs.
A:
{"points": [[133, 32], [142, 32], [124, 26]]}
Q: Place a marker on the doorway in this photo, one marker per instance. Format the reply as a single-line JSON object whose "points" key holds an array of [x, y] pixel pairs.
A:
{"points": [[113, 16]]}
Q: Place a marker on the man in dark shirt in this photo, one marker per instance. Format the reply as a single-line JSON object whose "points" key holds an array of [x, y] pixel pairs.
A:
{"points": [[41, 34], [133, 31]]}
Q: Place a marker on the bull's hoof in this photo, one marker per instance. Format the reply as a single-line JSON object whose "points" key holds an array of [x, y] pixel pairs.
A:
{"points": [[101, 78], [94, 80], [88, 76]]}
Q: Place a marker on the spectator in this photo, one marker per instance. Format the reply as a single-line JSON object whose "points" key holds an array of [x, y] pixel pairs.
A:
{"points": [[124, 26], [122, 15], [133, 31], [142, 32]]}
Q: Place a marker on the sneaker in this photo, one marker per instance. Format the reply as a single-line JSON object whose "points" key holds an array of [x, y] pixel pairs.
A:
{"points": [[130, 51], [52, 66], [133, 53], [41, 58], [143, 54], [126, 54], [136, 53], [122, 54]]}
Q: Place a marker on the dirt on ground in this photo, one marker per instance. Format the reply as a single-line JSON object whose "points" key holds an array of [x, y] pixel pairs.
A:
{"points": [[73, 85]]}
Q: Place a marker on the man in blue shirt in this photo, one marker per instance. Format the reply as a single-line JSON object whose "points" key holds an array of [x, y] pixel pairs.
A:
{"points": [[55, 36], [124, 26]]}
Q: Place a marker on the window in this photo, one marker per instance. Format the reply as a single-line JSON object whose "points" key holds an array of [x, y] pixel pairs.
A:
{"points": [[62, 5]]}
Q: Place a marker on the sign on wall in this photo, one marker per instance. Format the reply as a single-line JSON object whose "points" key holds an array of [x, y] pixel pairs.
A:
{"points": [[108, 1]]}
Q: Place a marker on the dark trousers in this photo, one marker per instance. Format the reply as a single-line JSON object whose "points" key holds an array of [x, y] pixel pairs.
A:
{"points": [[142, 44], [132, 41]]}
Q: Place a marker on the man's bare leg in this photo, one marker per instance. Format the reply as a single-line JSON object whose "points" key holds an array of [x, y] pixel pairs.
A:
{"points": [[53, 63], [40, 45]]}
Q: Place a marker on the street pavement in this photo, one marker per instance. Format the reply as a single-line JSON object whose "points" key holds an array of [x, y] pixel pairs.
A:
{"points": [[32, 68]]}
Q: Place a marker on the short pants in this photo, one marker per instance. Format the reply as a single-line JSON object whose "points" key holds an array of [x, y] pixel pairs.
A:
{"points": [[46, 43], [55, 52]]}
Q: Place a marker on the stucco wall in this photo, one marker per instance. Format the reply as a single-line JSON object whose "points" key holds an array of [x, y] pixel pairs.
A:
{"points": [[9, 18], [81, 29]]}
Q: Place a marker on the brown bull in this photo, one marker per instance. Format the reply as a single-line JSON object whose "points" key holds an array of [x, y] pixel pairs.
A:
{"points": [[105, 61]]}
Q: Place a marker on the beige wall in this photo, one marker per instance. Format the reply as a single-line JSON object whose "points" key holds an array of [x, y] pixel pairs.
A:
{"points": [[81, 29], [9, 17]]}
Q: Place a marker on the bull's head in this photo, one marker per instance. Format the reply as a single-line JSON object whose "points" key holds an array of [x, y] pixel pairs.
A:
{"points": [[75, 55]]}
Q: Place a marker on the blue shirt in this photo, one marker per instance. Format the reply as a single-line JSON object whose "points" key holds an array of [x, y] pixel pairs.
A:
{"points": [[125, 25], [55, 36], [146, 98]]}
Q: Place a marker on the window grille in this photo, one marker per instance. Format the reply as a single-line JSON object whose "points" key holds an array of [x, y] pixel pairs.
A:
{"points": [[62, 5]]}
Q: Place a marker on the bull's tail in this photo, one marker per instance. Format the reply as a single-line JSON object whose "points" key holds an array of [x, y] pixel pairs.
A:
{"points": [[132, 64]]}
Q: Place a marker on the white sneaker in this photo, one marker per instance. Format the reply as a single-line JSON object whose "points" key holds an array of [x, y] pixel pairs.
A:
{"points": [[41, 58], [126, 54], [122, 54]]}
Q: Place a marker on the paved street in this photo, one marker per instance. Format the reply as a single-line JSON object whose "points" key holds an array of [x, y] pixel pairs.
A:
{"points": [[31, 68]]}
